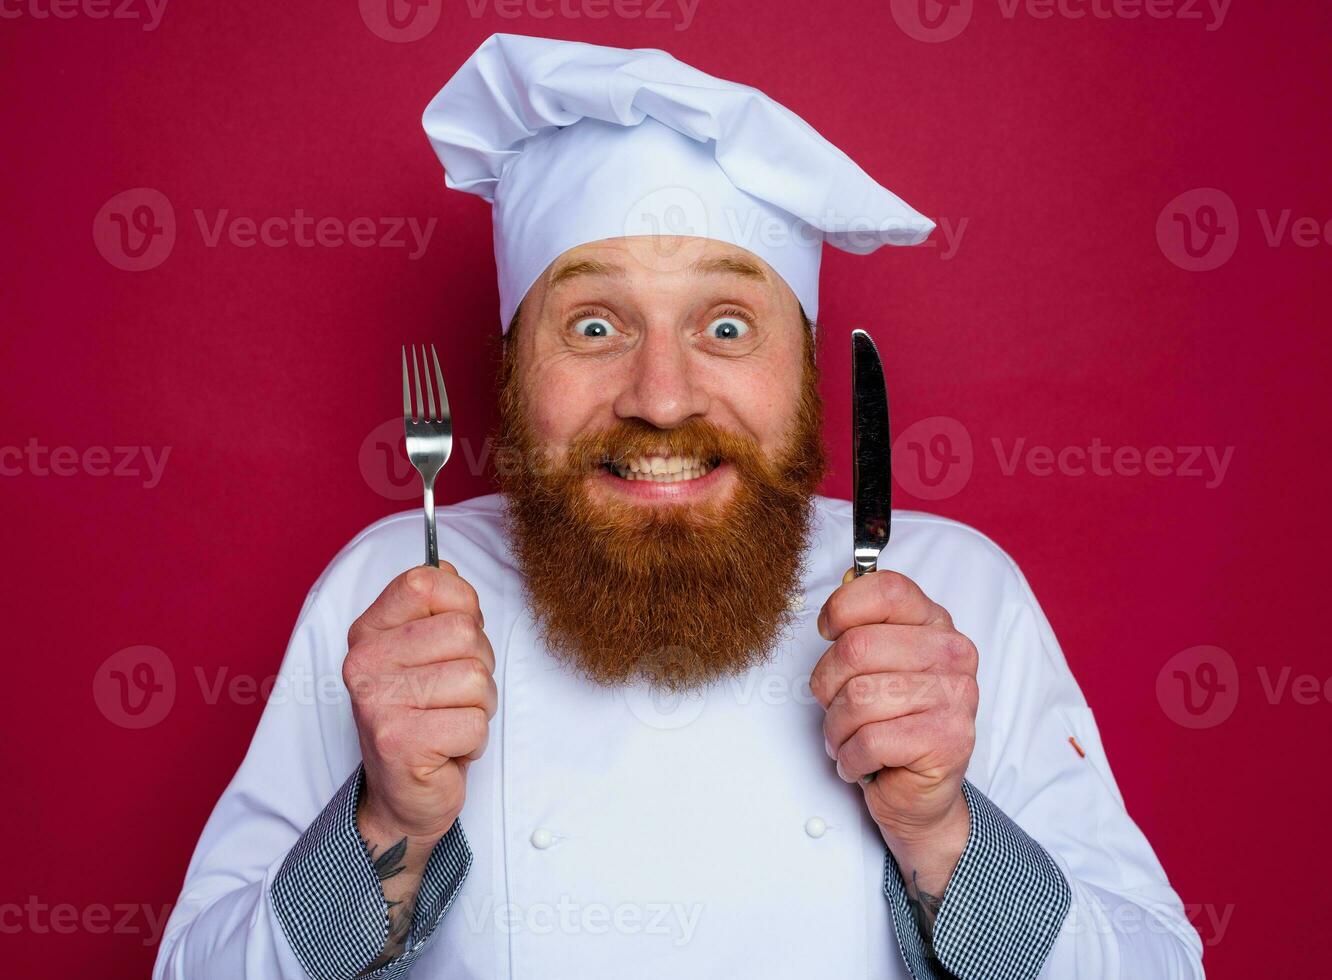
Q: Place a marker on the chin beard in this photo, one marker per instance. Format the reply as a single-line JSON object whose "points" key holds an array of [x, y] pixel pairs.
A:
{"points": [[673, 595]]}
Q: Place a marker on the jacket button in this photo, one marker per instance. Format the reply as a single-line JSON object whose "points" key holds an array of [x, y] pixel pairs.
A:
{"points": [[816, 827], [542, 838]]}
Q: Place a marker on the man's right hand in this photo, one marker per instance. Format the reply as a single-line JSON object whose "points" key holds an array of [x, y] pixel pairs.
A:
{"points": [[421, 675]]}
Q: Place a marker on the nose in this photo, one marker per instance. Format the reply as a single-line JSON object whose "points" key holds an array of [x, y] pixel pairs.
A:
{"points": [[661, 387]]}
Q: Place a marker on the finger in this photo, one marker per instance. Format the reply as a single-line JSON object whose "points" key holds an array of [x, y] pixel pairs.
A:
{"points": [[462, 683], [877, 597], [415, 594], [443, 636], [886, 744], [869, 698], [882, 648], [448, 733]]}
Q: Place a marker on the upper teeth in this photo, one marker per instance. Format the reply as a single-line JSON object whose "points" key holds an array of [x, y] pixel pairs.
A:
{"points": [[662, 469]]}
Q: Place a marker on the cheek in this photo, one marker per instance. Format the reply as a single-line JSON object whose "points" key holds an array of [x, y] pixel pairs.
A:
{"points": [[763, 401], [564, 404]]}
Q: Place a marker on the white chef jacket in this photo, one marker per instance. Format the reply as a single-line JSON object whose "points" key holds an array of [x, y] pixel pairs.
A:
{"points": [[614, 832]]}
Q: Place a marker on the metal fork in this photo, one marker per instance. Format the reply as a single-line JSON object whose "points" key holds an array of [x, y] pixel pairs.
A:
{"points": [[429, 435]]}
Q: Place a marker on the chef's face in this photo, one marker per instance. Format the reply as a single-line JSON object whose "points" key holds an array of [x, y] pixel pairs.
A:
{"points": [[683, 342], [659, 427]]}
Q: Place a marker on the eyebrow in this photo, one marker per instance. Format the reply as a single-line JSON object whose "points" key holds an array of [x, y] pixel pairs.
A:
{"points": [[728, 264], [591, 267], [585, 267]]}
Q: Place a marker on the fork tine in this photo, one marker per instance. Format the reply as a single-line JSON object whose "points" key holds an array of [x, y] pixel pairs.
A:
{"points": [[430, 386], [416, 379], [439, 377], [406, 391]]}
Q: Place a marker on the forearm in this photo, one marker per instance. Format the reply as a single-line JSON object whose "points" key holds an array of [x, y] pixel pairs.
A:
{"points": [[1001, 909], [399, 861], [927, 861]]}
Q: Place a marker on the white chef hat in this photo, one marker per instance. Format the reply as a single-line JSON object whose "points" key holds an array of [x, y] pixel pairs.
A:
{"points": [[575, 143]]}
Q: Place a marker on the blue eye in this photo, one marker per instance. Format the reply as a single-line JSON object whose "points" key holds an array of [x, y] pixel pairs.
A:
{"points": [[728, 328], [594, 326]]}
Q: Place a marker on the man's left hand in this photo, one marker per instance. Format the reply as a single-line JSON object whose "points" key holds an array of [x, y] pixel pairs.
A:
{"points": [[899, 688]]}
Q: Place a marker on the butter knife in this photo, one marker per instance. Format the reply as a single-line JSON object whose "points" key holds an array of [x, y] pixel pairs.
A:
{"points": [[871, 460]]}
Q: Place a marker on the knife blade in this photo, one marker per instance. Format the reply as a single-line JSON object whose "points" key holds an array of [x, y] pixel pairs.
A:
{"points": [[871, 455], [871, 462]]}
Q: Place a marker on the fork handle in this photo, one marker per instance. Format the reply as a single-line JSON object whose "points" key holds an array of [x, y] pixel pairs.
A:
{"points": [[432, 540]]}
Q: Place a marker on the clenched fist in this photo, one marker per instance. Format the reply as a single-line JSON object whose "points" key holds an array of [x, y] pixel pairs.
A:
{"points": [[421, 675], [899, 687]]}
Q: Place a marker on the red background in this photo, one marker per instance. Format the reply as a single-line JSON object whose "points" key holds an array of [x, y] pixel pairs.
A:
{"points": [[1058, 319]]}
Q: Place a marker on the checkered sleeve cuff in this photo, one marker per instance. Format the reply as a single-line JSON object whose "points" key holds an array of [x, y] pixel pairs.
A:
{"points": [[330, 903], [1001, 912]]}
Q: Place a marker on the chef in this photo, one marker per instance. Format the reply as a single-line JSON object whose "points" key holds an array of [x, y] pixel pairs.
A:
{"points": [[640, 722]]}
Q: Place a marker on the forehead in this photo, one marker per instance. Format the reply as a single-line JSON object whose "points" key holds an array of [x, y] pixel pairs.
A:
{"points": [[641, 257]]}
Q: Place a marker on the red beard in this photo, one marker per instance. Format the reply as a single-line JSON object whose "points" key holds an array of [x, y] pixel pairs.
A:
{"points": [[674, 595]]}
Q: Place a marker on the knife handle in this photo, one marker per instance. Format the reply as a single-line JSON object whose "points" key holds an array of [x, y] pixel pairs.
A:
{"points": [[854, 572]]}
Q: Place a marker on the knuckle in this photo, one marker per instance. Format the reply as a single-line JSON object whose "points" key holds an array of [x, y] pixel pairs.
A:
{"points": [[462, 627], [418, 582], [388, 739], [868, 742], [970, 654], [359, 668], [854, 649], [892, 586], [970, 697], [956, 650], [352, 668], [861, 691], [474, 725], [476, 678], [471, 601]]}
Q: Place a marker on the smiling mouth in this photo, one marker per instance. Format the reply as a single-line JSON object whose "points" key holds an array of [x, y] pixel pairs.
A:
{"points": [[661, 469]]}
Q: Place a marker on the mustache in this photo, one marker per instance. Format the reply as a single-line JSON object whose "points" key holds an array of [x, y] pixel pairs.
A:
{"points": [[633, 438]]}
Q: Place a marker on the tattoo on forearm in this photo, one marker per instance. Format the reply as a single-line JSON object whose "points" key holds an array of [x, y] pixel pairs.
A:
{"points": [[925, 907], [400, 925], [389, 864]]}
